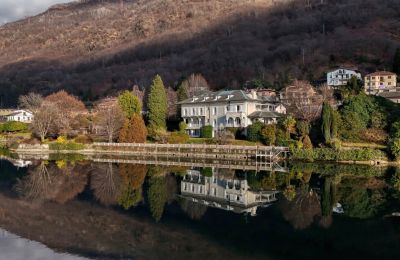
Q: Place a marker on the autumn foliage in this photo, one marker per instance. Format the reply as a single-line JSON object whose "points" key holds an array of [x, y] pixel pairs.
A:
{"points": [[133, 130]]}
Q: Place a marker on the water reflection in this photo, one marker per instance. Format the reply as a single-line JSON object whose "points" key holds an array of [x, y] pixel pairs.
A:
{"points": [[135, 203], [223, 192]]}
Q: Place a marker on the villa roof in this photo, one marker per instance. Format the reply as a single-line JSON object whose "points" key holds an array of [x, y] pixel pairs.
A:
{"points": [[265, 114], [223, 95], [380, 73]]}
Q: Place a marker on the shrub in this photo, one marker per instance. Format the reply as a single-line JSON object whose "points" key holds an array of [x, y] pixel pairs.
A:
{"points": [[374, 135], [394, 147], [83, 139], [66, 146], [207, 172], [178, 138], [268, 134], [182, 126], [206, 131], [307, 144], [329, 154], [254, 131], [14, 126]]}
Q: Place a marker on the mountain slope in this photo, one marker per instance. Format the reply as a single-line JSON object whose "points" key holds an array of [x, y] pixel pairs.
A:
{"points": [[95, 48]]}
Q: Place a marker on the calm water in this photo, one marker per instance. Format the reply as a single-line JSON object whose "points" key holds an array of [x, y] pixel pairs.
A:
{"points": [[80, 209]]}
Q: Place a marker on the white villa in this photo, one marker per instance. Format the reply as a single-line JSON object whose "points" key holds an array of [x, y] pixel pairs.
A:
{"points": [[225, 109], [340, 77], [224, 193], [19, 115]]}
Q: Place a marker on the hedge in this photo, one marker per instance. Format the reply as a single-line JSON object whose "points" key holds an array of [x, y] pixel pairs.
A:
{"points": [[14, 126], [66, 146], [329, 154], [206, 131]]}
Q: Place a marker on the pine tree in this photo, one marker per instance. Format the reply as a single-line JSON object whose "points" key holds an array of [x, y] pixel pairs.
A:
{"points": [[396, 62], [326, 122], [157, 105], [129, 103]]}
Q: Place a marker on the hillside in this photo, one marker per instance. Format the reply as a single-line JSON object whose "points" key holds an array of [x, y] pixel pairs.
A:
{"points": [[96, 47]]}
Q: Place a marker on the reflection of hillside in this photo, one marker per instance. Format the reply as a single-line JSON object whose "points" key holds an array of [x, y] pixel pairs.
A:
{"points": [[86, 229], [224, 193]]}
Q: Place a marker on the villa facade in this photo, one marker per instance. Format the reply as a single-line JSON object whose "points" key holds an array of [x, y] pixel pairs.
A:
{"points": [[380, 81], [229, 109]]}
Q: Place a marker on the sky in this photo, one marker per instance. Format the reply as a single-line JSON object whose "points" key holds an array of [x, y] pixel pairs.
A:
{"points": [[12, 10]]}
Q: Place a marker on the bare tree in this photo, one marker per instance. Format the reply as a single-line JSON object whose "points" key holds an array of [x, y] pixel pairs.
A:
{"points": [[31, 102], [110, 121], [45, 120]]}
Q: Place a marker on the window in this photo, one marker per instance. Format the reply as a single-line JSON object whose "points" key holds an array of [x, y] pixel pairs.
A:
{"points": [[193, 111], [239, 109], [215, 111], [201, 111]]}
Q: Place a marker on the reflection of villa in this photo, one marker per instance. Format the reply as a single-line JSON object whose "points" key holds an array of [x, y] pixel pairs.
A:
{"points": [[227, 194]]}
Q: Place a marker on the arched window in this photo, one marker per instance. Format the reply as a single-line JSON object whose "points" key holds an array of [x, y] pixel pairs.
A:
{"points": [[230, 121], [238, 122]]}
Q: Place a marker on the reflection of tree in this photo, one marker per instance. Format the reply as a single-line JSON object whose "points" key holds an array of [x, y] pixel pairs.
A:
{"points": [[157, 192], [132, 181], [47, 182], [302, 210], [105, 183], [37, 185], [362, 203], [192, 209]]}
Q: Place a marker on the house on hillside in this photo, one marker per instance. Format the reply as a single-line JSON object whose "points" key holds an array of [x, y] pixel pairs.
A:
{"points": [[228, 109], [380, 81], [18, 115], [340, 77]]}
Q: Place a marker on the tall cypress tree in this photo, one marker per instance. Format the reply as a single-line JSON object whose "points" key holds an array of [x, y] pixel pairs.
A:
{"points": [[326, 122], [129, 103], [157, 105]]}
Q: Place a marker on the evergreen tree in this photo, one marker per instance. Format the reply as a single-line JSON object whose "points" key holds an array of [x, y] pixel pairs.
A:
{"points": [[182, 91], [157, 192], [157, 105], [396, 62], [129, 103], [326, 122]]}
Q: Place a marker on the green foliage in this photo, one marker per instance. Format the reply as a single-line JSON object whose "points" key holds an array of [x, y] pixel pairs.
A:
{"points": [[394, 147], [14, 126], [329, 154], [129, 103], [353, 87], [327, 118], [182, 127], [362, 203], [268, 134], [178, 138], [206, 131], [157, 193], [288, 124], [207, 172], [395, 130], [157, 105], [58, 146], [303, 128], [254, 132], [129, 197]]}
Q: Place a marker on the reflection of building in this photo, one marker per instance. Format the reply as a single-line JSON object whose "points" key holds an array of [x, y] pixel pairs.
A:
{"points": [[227, 194]]}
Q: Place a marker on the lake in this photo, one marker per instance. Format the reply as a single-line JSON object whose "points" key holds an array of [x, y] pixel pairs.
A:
{"points": [[72, 208]]}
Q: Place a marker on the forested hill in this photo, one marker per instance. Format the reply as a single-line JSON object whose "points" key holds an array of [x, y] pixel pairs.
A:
{"points": [[94, 48]]}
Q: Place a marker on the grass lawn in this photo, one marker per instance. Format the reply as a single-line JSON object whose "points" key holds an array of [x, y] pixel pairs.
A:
{"points": [[363, 145], [233, 142]]}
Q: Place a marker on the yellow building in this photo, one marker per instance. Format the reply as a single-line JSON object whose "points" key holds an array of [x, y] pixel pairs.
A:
{"points": [[380, 81]]}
